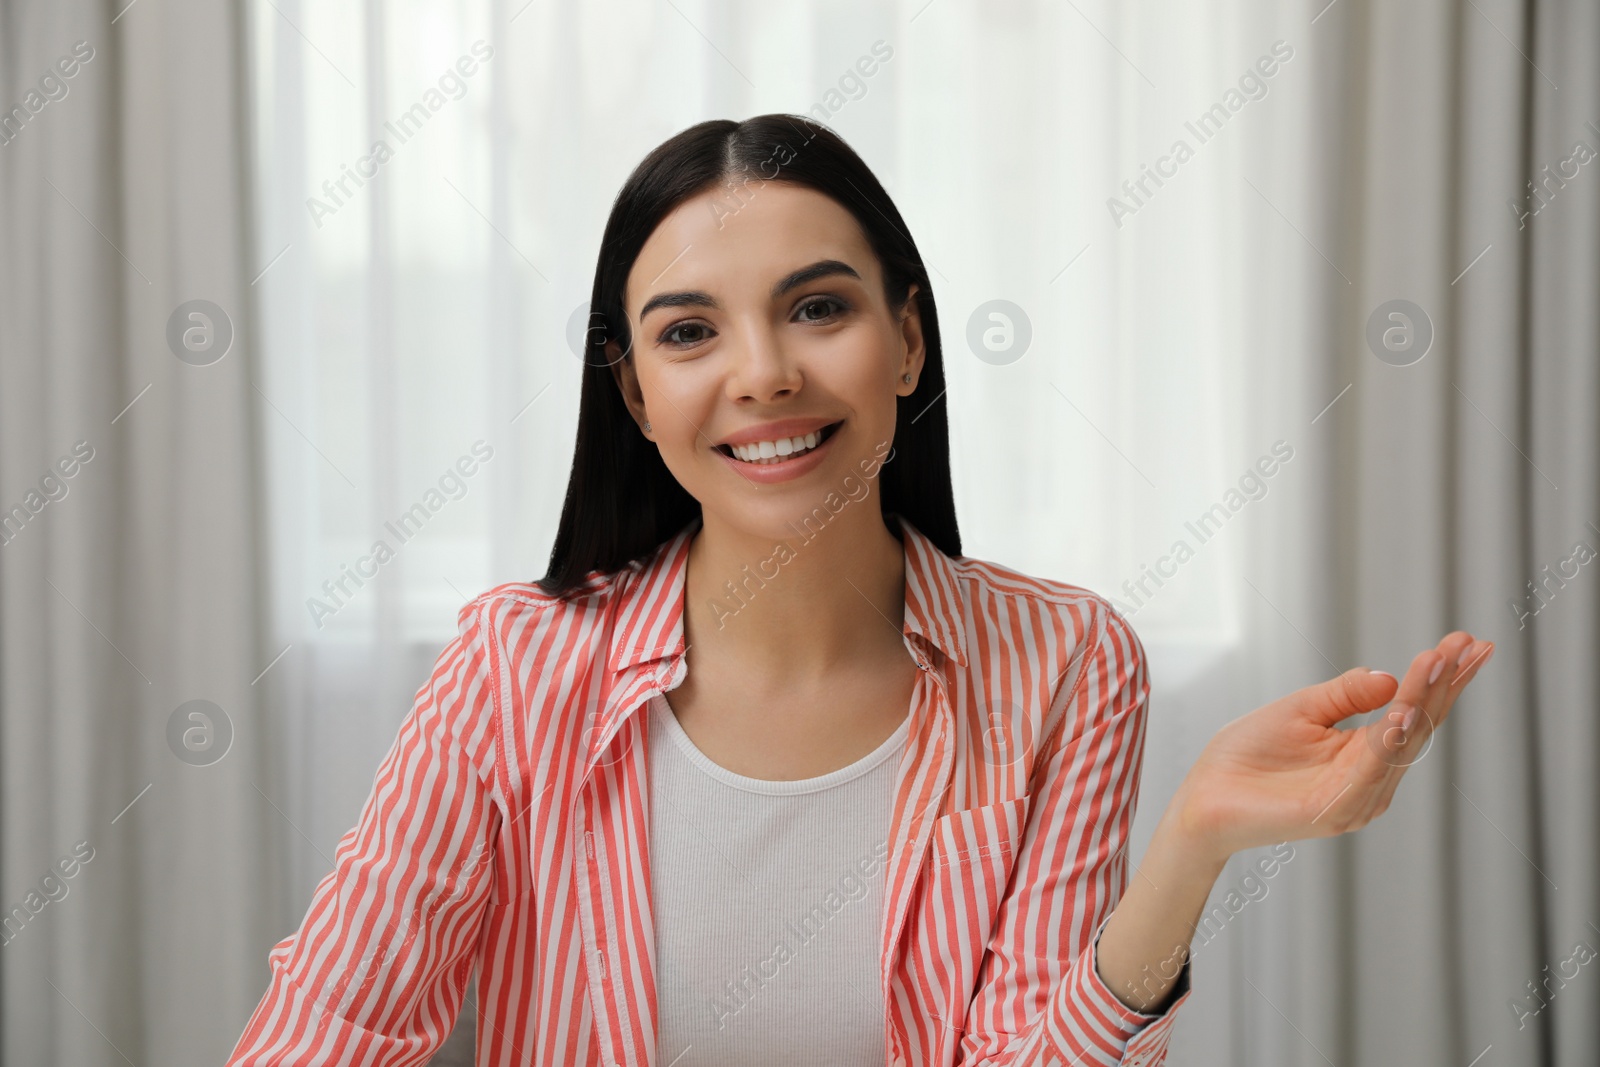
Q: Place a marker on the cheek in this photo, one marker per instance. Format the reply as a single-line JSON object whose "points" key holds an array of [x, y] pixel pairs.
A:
{"points": [[860, 364], [678, 402], [875, 371], [864, 378]]}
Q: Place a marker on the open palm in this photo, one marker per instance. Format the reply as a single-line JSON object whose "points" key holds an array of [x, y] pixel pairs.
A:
{"points": [[1285, 771]]}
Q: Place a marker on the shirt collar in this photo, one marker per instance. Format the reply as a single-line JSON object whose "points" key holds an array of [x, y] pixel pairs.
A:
{"points": [[650, 610]]}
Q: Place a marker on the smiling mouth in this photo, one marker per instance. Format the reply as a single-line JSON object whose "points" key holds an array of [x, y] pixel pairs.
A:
{"points": [[769, 452]]}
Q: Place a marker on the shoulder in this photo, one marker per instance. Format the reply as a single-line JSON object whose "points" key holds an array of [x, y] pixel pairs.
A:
{"points": [[648, 574], [1082, 654], [519, 648], [530, 631], [515, 607], [1085, 617]]}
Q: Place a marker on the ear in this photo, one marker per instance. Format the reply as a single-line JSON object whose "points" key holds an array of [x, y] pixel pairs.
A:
{"points": [[626, 376], [913, 352]]}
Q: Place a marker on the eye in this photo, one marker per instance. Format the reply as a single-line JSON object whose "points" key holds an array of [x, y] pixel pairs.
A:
{"points": [[669, 336], [830, 306]]}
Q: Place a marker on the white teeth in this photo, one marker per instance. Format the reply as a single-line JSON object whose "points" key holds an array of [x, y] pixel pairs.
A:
{"points": [[771, 451]]}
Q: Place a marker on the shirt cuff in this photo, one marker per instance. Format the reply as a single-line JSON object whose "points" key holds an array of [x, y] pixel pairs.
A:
{"points": [[1088, 1016]]}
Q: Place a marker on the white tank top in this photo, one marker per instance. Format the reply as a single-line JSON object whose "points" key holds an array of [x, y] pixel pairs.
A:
{"points": [[768, 898]]}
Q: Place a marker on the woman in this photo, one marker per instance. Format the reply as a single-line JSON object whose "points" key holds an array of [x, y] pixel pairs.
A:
{"points": [[881, 814]]}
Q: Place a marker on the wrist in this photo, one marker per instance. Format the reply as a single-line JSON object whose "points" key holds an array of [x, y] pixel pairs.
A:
{"points": [[1183, 835]]}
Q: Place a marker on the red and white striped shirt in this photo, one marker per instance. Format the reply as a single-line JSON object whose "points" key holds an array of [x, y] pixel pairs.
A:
{"points": [[507, 832]]}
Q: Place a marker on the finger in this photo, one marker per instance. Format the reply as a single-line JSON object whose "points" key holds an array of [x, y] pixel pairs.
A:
{"points": [[1407, 740], [1427, 679], [1429, 668], [1356, 777], [1424, 688], [1473, 660], [1453, 654], [1414, 744], [1459, 671], [1418, 743], [1372, 775], [1400, 735], [1385, 794], [1396, 741], [1355, 692]]}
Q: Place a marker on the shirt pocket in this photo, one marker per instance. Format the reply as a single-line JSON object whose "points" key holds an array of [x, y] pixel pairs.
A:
{"points": [[973, 851], [971, 856]]}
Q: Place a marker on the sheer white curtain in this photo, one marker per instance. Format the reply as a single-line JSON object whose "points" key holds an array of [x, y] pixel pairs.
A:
{"points": [[430, 309], [1197, 427]]}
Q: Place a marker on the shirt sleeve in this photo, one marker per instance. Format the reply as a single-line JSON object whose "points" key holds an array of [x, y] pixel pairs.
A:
{"points": [[377, 971], [1040, 998]]}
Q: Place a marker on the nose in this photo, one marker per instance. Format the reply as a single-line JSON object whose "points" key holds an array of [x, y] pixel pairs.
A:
{"points": [[759, 367]]}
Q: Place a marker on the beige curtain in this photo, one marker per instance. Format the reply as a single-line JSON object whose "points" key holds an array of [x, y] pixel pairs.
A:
{"points": [[1457, 491], [134, 848], [1473, 485]]}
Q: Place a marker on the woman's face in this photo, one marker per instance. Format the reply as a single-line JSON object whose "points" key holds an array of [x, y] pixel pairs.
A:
{"points": [[758, 318]]}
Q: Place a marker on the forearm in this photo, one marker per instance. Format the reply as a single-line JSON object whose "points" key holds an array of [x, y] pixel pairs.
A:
{"points": [[1144, 944]]}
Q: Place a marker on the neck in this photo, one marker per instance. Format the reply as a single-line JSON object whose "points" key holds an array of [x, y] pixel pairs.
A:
{"points": [[800, 605]]}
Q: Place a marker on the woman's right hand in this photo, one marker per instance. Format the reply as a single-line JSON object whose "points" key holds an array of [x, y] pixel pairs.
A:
{"points": [[1285, 771]]}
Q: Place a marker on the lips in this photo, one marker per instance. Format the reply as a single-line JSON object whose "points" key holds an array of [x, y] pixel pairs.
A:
{"points": [[777, 449], [777, 470]]}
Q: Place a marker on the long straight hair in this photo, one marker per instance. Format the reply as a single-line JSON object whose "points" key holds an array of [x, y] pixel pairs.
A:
{"points": [[622, 502]]}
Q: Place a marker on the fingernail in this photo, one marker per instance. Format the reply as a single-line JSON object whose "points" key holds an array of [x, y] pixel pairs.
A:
{"points": [[1487, 656], [1386, 674], [1410, 717], [1466, 654], [1438, 669]]}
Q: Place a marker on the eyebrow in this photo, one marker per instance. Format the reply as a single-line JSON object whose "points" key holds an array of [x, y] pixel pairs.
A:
{"points": [[823, 268]]}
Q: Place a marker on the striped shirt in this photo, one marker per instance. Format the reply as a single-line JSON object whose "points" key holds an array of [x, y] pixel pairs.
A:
{"points": [[506, 834]]}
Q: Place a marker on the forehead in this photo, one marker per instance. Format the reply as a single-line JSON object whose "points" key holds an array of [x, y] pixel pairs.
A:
{"points": [[741, 238]]}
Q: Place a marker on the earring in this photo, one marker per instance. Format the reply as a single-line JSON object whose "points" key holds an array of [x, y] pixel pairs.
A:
{"points": [[907, 379], [647, 427]]}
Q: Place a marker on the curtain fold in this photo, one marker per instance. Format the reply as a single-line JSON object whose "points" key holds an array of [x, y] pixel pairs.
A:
{"points": [[131, 590], [1444, 493]]}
